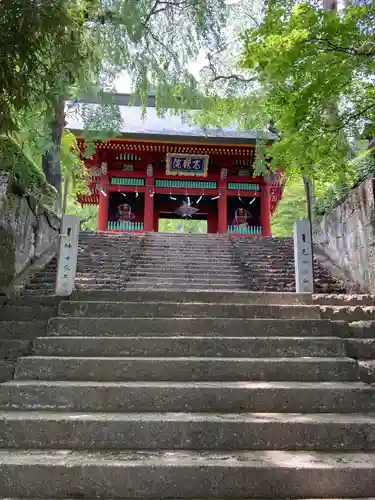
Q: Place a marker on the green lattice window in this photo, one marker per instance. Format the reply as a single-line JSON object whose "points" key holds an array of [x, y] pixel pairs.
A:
{"points": [[125, 226], [244, 230], [127, 181], [177, 183], [243, 186]]}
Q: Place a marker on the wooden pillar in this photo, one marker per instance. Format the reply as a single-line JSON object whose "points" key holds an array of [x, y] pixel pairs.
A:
{"points": [[212, 222], [148, 217], [156, 222], [265, 210], [222, 225], [103, 203]]}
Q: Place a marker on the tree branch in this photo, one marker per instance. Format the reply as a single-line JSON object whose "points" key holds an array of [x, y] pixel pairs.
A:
{"points": [[351, 118]]}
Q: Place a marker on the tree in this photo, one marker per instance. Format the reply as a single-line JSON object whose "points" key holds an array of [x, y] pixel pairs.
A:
{"points": [[42, 41], [291, 208], [310, 70], [63, 46]]}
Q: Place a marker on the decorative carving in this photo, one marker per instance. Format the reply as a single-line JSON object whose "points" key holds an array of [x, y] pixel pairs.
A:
{"points": [[96, 171], [223, 173], [104, 168], [150, 170]]}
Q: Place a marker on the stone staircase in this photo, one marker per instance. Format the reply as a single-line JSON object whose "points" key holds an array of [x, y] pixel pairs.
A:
{"points": [[180, 394], [114, 261], [267, 264]]}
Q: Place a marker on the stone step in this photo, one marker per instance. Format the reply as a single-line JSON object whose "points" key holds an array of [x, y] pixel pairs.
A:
{"points": [[7, 368], [187, 431], [297, 397], [14, 348], [29, 300], [211, 327], [190, 346], [111, 267], [160, 280], [145, 286], [361, 348], [25, 313], [166, 272], [185, 310], [344, 300], [22, 330], [149, 285], [186, 369], [41, 285], [242, 297], [348, 313], [38, 293], [188, 474]]}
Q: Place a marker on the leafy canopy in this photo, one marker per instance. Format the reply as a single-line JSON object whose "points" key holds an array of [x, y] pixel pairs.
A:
{"points": [[313, 75]]}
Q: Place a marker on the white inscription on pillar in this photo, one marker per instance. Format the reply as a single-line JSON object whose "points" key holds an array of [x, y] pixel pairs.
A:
{"points": [[303, 259], [67, 267]]}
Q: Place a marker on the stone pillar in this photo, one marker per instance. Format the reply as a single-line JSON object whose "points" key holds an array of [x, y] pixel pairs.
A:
{"points": [[67, 266], [303, 259]]}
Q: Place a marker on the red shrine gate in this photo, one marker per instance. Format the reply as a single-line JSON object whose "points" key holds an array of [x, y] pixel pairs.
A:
{"points": [[135, 182]]}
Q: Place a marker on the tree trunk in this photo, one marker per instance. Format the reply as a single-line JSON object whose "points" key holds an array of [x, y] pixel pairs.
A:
{"points": [[51, 160], [66, 192]]}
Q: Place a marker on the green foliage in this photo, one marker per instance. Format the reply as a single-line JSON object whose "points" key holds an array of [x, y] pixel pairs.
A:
{"points": [[24, 172], [188, 226], [44, 50], [312, 72], [88, 214], [291, 208], [358, 171], [73, 168]]}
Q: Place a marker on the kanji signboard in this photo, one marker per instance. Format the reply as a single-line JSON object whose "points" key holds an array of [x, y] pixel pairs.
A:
{"points": [[183, 164]]}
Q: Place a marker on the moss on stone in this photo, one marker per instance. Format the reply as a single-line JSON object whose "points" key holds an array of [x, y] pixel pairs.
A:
{"points": [[7, 261], [24, 173]]}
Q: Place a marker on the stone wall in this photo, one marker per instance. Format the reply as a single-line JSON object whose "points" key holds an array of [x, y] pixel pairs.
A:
{"points": [[346, 237], [27, 231]]}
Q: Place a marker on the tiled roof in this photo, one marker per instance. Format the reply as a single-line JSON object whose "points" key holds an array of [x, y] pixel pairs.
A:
{"points": [[154, 126]]}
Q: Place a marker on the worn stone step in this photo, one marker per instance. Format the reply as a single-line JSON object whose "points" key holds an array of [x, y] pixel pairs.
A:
{"points": [[150, 285], [242, 297], [145, 286], [186, 310], [41, 285], [186, 369], [190, 346], [187, 431], [154, 268], [344, 300], [14, 348], [160, 280], [98, 327], [348, 313], [25, 313], [186, 273], [30, 300], [189, 474], [297, 397], [22, 330], [38, 293], [361, 348], [7, 368]]}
